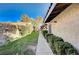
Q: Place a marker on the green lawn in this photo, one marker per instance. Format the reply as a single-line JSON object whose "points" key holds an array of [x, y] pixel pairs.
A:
{"points": [[16, 47]]}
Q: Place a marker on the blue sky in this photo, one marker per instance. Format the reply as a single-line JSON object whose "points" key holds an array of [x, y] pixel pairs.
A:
{"points": [[11, 12]]}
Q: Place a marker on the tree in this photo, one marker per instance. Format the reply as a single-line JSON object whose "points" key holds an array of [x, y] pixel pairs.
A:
{"points": [[39, 21], [25, 18]]}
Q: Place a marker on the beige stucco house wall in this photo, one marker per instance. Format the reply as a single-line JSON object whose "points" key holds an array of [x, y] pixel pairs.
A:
{"points": [[67, 25]]}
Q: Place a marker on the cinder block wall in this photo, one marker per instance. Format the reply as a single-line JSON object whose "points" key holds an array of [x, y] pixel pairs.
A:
{"points": [[67, 25]]}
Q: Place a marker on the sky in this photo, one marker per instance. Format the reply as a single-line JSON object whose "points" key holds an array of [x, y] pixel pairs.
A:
{"points": [[11, 12]]}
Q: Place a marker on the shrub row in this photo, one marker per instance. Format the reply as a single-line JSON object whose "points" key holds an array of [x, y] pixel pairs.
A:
{"points": [[44, 32], [58, 45]]}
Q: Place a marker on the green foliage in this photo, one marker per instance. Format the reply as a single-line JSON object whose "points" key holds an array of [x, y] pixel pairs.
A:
{"points": [[24, 17], [49, 38], [34, 23], [45, 32], [18, 46], [40, 18], [58, 39], [69, 49], [58, 45]]}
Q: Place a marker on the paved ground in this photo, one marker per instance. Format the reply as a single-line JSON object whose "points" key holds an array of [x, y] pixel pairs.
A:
{"points": [[42, 46]]}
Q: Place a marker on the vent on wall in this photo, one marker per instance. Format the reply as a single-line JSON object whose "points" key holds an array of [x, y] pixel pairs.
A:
{"points": [[55, 21]]}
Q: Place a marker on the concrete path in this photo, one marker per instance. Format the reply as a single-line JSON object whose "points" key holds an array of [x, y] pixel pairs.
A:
{"points": [[42, 46]]}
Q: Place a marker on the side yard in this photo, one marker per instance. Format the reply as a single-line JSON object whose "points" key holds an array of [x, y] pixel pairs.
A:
{"points": [[21, 46]]}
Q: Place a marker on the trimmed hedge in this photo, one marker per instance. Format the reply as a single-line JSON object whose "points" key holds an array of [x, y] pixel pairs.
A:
{"points": [[44, 32], [58, 46], [69, 49], [49, 36]]}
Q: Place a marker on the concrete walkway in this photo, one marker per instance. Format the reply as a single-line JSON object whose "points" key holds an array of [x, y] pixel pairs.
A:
{"points": [[42, 46]]}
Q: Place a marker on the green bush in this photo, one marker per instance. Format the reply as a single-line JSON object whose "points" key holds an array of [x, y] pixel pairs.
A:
{"points": [[59, 39], [56, 39], [69, 49], [49, 37], [52, 40], [44, 32], [58, 45]]}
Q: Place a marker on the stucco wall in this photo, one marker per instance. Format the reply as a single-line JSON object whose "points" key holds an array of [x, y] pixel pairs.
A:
{"points": [[67, 25]]}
